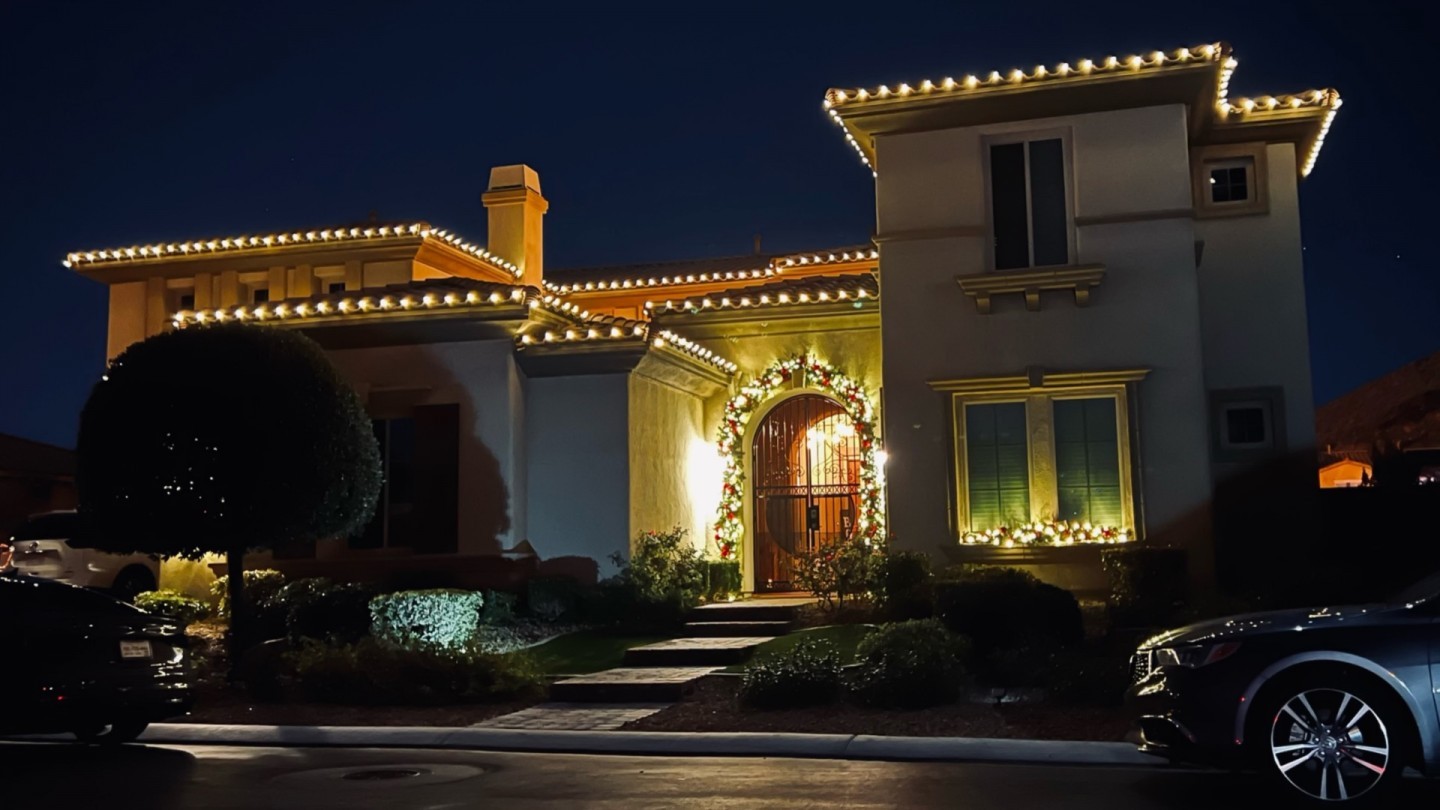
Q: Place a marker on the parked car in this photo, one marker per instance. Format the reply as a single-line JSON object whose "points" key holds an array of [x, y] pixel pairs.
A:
{"points": [[53, 545], [82, 662], [1332, 703]]}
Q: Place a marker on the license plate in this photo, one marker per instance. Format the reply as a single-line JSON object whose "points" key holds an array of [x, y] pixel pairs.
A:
{"points": [[134, 649]]}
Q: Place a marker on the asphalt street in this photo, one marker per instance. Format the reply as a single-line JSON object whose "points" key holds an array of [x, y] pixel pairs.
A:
{"points": [[59, 776]]}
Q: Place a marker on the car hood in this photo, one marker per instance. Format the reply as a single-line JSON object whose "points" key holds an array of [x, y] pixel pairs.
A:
{"points": [[1249, 624]]}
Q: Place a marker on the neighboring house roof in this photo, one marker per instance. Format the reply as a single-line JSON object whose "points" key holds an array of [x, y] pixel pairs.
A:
{"points": [[1204, 70], [1401, 409], [285, 242], [784, 292], [24, 456], [698, 271]]}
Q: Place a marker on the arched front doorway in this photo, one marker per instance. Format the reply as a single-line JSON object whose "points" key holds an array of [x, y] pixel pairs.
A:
{"points": [[806, 463]]}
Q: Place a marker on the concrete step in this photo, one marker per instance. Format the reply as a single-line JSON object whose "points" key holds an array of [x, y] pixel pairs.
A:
{"points": [[629, 685], [694, 652], [722, 629], [756, 611]]}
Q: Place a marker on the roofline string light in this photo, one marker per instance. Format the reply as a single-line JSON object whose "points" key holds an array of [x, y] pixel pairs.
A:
{"points": [[353, 304], [759, 299], [627, 330], [1215, 52], [236, 244], [777, 266]]}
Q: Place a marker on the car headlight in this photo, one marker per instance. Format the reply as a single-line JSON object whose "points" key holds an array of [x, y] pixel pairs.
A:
{"points": [[1195, 655]]}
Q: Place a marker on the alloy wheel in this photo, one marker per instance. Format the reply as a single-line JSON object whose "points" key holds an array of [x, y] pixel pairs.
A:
{"points": [[1330, 744]]}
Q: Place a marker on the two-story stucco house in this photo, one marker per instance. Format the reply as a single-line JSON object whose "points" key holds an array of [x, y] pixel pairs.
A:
{"points": [[1082, 311]]}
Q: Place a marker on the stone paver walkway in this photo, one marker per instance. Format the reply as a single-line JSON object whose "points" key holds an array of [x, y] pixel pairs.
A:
{"points": [[652, 676], [574, 716]]}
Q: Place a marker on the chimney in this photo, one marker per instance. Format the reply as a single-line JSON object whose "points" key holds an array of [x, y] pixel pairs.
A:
{"points": [[517, 210]]}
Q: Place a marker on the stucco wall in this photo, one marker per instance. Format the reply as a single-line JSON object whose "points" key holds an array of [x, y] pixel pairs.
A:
{"points": [[1131, 165], [481, 377], [578, 479], [1252, 299], [671, 462]]}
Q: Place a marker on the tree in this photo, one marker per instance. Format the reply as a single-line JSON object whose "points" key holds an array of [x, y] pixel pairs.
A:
{"points": [[226, 438]]}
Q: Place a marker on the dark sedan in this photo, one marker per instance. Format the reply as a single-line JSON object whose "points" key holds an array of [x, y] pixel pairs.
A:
{"points": [[1333, 703], [81, 662]]}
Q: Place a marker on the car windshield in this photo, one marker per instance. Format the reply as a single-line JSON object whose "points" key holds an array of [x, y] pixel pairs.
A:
{"points": [[1424, 589]]}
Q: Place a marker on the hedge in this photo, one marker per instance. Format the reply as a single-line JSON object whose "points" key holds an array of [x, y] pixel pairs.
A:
{"points": [[443, 618]]}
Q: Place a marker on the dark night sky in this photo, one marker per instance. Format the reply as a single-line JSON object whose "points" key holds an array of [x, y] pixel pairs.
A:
{"points": [[666, 131]]}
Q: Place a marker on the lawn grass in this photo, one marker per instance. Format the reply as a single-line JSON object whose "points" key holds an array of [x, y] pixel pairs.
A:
{"points": [[845, 637], [584, 651]]}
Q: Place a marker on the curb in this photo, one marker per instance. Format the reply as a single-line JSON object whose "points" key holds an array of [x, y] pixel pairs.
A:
{"points": [[666, 743]]}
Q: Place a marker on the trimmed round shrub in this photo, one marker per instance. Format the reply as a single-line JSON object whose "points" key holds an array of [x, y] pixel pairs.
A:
{"points": [[807, 674], [902, 580], [172, 605], [911, 664], [1002, 608], [372, 673], [444, 618], [326, 611], [553, 598], [261, 585], [1147, 584]]}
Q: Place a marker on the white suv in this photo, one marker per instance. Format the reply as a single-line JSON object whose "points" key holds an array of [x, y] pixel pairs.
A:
{"points": [[52, 546]]}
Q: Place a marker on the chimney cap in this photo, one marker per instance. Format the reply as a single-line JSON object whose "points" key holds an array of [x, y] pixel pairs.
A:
{"points": [[514, 176]]}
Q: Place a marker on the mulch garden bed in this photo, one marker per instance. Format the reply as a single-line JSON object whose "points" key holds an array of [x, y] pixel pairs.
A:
{"points": [[712, 706], [227, 706]]}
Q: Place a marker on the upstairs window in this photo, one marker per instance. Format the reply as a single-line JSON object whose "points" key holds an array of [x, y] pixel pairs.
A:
{"points": [[260, 295], [1231, 180], [1029, 216], [333, 287]]}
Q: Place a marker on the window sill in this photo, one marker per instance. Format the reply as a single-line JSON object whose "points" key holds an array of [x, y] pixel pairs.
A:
{"points": [[984, 286]]}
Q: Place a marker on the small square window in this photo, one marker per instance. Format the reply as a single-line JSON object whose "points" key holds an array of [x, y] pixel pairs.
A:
{"points": [[333, 287], [260, 295], [1230, 180], [1246, 426], [187, 301]]}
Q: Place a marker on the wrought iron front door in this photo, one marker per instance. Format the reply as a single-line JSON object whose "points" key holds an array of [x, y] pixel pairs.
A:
{"points": [[806, 473]]}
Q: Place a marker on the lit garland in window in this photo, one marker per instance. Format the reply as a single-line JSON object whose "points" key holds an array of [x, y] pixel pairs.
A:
{"points": [[1048, 533], [805, 372]]}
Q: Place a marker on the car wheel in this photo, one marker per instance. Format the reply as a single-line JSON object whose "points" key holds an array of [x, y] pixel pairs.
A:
{"points": [[116, 733], [132, 582], [1335, 741]]}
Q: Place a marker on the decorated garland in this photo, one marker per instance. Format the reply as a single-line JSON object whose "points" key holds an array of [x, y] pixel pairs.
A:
{"points": [[808, 373], [1047, 533]]}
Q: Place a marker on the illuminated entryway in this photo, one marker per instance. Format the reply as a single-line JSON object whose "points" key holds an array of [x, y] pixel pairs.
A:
{"points": [[806, 461]]}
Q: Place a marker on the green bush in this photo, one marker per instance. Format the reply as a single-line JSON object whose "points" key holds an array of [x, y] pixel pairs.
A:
{"points": [[172, 605], [499, 608], [553, 598], [664, 567], [901, 583], [1001, 608], [911, 664], [371, 672], [261, 585], [1147, 584], [722, 579], [834, 573], [807, 674], [444, 618], [317, 608]]}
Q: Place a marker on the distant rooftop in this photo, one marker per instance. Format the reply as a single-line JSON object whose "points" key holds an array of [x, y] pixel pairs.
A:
{"points": [[26, 456]]}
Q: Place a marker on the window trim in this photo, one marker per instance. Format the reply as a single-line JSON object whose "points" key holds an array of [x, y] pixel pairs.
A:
{"points": [[1269, 398], [1038, 391], [1067, 154], [1203, 159]]}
